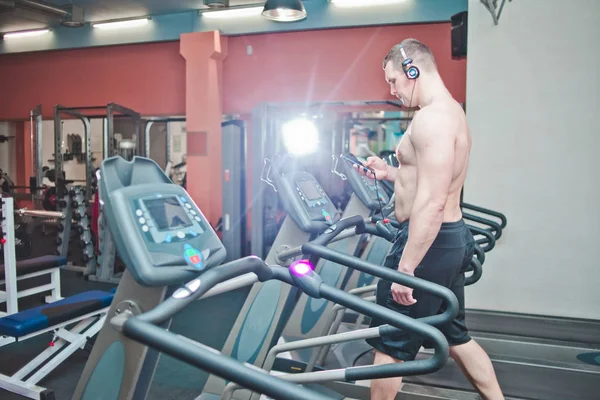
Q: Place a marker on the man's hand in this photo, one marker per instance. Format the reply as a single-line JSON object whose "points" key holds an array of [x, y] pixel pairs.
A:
{"points": [[380, 167], [402, 294]]}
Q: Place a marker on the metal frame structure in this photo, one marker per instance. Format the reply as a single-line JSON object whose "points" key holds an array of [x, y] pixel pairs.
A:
{"points": [[10, 259], [112, 111], [36, 155], [109, 113], [58, 155], [234, 222], [264, 144], [148, 122]]}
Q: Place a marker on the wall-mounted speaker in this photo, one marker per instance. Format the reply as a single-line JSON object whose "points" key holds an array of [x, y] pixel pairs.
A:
{"points": [[459, 35]]}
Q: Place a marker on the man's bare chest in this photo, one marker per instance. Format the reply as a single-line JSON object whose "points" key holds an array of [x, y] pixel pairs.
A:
{"points": [[405, 152]]}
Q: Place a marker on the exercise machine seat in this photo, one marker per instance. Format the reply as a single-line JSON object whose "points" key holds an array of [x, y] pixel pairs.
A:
{"points": [[48, 315], [36, 264]]}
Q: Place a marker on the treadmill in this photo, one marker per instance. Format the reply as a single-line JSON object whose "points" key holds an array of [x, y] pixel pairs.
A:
{"points": [[165, 241]]}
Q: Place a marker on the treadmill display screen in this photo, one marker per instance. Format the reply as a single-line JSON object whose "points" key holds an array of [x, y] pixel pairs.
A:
{"points": [[309, 189], [167, 213]]}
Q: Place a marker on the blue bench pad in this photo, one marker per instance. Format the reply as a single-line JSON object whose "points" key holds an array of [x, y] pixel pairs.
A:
{"points": [[36, 264], [47, 315]]}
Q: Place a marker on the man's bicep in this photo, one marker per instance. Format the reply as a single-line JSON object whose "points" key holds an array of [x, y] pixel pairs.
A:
{"points": [[434, 148]]}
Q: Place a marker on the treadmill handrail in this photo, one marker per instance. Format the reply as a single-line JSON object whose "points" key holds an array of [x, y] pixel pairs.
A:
{"points": [[340, 226], [488, 243], [494, 228], [396, 321], [487, 211], [210, 360], [477, 272], [171, 306], [479, 254], [142, 329], [448, 298]]}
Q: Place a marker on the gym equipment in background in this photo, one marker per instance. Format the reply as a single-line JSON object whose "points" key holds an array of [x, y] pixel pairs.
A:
{"points": [[73, 320]]}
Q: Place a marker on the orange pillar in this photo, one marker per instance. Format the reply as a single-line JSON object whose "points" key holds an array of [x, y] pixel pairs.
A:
{"points": [[204, 53]]}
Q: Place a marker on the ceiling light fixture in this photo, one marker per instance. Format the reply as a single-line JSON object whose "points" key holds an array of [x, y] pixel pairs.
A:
{"points": [[284, 10], [232, 13], [216, 3], [129, 23], [363, 3], [22, 34]]}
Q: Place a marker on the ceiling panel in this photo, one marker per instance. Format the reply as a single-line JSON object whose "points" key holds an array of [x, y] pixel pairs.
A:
{"points": [[100, 10]]}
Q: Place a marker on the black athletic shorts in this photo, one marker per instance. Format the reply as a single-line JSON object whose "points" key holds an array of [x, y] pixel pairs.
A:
{"points": [[445, 264]]}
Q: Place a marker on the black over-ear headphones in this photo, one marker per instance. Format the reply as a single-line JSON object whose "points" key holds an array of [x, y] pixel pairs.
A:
{"points": [[410, 70]]}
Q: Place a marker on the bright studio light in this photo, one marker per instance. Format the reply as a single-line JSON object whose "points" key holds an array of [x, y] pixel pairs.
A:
{"points": [[300, 136], [23, 34], [233, 13], [363, 3], [130, 23]]}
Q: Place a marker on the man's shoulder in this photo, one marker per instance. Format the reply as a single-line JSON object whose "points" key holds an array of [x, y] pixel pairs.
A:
{"points": [[441, 109], [438, 118]]}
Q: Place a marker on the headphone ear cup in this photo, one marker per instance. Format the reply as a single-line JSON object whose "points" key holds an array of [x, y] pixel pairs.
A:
{"points": [[413, 73]]}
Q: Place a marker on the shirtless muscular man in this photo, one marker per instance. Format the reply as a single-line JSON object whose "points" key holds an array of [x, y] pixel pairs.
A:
{"points": [[434, 243]]}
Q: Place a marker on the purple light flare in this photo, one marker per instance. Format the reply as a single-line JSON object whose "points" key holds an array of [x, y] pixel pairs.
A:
{"points": [[301, 267]]}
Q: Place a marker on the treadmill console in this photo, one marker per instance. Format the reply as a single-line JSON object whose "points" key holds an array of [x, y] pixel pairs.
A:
{"points": [[369, 191], [305, 201], [159, 232]]}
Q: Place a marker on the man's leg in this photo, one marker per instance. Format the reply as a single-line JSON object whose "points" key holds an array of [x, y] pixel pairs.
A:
{"points": [[385, 389], [478, 368]]}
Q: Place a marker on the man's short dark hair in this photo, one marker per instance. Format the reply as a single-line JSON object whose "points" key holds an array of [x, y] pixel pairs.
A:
{"points": [[421, 55]]}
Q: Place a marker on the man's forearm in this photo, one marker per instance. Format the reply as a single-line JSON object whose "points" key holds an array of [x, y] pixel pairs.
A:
{"points": [[424, 226], [391, 173]]}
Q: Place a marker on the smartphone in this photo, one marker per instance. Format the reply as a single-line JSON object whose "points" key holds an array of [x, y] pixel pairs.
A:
{"points": [[352, 159]]}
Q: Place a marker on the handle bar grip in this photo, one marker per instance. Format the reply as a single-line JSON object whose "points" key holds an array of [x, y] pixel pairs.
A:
{"points": [[384, 231], [339, 227], [393, 222], [376, 230], [199, 286]]}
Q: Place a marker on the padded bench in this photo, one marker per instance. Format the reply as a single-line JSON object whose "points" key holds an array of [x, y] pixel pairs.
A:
{"points": [[32, 265], [48, 315], [85, 314]]}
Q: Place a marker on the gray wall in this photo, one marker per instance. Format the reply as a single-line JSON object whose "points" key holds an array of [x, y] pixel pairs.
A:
{"points": [[8, 159], [532, 105]]}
